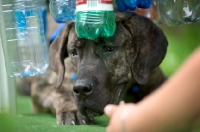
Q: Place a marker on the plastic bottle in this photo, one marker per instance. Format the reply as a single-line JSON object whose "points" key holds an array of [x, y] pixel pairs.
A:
{"points": [[95, 18], [176, 12], [63, 10], [23, 40], [7, 89], [132, 4], [43, 6]]}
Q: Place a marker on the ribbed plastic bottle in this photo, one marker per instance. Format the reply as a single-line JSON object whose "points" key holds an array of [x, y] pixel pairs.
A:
{"points": [[63, 10], [23, 40], [95, 18], [124, 5], [177, 12]]}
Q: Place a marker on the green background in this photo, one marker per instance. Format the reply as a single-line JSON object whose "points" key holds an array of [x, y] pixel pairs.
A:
{"points": [[183, 40]]}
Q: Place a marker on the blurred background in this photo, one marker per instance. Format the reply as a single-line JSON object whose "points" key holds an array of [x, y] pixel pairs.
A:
{"points": [[183, 40]]}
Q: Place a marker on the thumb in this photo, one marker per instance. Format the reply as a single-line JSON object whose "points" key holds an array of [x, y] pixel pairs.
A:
{"points": [[110, 109]]}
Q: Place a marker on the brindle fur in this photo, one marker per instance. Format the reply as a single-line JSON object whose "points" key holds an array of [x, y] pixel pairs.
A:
{"points": [[106, 68]]}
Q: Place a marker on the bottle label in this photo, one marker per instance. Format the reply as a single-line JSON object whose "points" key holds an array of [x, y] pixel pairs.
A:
{"points": [[93, 5]]}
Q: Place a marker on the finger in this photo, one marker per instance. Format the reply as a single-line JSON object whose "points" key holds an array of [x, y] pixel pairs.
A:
{"points": [[110, 109], [108, 129], [112, 129], [118, 116]]}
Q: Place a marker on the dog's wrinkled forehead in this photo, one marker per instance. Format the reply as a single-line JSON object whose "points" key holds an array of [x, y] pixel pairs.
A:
{"points": [[120, 37]]}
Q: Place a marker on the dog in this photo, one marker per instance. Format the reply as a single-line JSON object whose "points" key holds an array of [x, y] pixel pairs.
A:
{"points": [[106, 70]]}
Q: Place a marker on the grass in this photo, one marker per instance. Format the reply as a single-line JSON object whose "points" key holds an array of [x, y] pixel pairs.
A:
{"points": [[183, 40], [25, 121]]}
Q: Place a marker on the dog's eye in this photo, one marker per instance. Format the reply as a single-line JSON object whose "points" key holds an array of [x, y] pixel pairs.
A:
{"points": [[74, 52], [108, 49]]}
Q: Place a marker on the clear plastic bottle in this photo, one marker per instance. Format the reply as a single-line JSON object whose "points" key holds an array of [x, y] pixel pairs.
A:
{"points": [[95, 18], [132, 4], [63, 10], [176, 12], [7, 89], [23, 40], [43, 6]]}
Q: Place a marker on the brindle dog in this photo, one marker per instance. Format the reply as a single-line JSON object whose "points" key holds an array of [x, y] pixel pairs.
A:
{"points": [[105, 69]]}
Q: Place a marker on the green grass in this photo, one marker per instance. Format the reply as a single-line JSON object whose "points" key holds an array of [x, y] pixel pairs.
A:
{"points": [[25, 121], [182, 42]]}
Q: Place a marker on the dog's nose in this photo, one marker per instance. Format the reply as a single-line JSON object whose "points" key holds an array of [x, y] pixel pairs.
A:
{"points": [[82, 88]]}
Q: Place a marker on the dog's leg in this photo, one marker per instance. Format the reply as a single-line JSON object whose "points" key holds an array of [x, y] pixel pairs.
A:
{"points": [[66, 110], [41, 90], [60, 102]]}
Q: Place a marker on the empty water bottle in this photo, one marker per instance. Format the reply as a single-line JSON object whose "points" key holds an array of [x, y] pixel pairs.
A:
{"points": [[176, 12], [63, 10], [22, 34], [94, 18], [43, 6], [132, 4]]}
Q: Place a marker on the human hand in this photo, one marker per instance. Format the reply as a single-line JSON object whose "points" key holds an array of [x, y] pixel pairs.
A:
{"points": [[118, 115]]}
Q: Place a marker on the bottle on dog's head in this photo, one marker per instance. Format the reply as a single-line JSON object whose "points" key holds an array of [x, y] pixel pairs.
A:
{"points": [[95, 18]]}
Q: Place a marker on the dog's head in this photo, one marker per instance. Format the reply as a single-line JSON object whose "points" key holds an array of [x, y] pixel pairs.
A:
{"points": [[106, 67]]}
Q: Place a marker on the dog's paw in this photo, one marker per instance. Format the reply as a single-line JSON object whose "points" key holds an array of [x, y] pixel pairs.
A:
{"points": [[72, 118]]}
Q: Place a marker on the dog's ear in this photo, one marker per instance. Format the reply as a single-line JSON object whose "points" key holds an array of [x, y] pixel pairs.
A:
{"points": [[150, 43], [58, 52]]}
